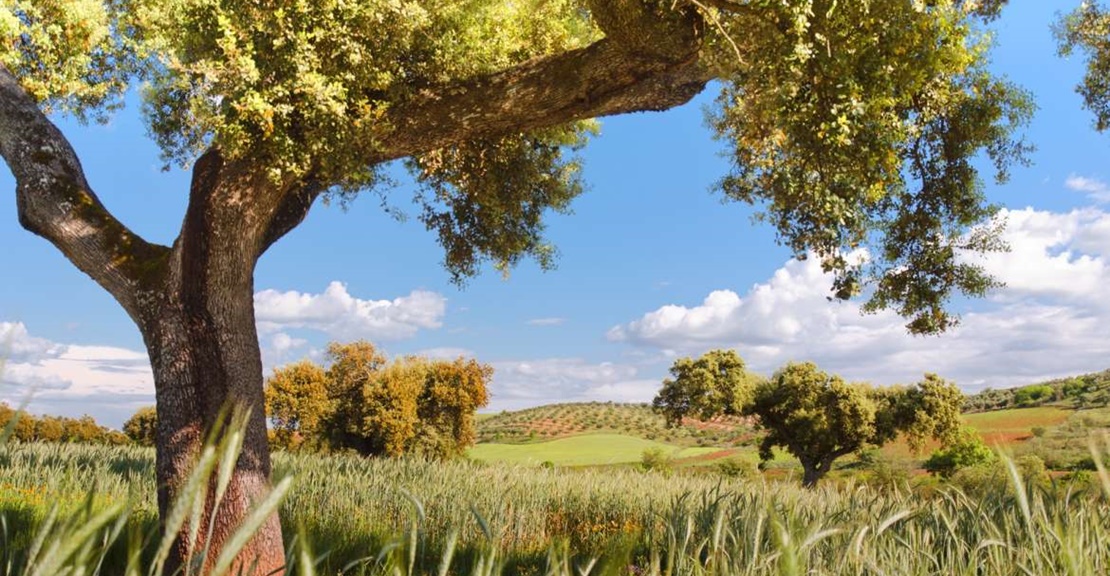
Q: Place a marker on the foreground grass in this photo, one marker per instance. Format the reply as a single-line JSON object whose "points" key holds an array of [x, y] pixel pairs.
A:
{"points": [[584, 450], [406, 517]]}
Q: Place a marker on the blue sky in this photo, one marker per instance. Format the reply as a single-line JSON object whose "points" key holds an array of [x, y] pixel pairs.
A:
{"points": [[652, 266]]}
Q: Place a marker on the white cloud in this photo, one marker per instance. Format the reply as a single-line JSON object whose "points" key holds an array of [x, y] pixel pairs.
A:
{"points": [[282, 342], [106, 382], [1054, 255], [1051, 320], [523, 383], [445, 353], [547, 321], [342, 316], [1096, 189]]}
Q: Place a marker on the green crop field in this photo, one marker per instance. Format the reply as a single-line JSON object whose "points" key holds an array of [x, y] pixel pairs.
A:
{"points": [[408, 517], [583, 450]]}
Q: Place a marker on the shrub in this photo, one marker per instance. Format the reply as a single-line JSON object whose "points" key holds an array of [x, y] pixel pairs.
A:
{"points": [[966, 451], [1032, 395], [655, 459], [738, 468]]}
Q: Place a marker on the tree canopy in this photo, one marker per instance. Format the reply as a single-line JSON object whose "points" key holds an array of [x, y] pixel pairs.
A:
{"points": [[365, 403], [142, 426], [815, 416], [842, 119], [1087, 30]]}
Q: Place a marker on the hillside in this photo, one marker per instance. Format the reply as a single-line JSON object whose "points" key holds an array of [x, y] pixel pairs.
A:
{"points": [[1082, 391], [635, 420]]}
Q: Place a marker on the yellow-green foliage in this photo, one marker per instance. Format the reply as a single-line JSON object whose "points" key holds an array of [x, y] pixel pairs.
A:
{"points": [[142, 426], [308, 81], [296, 402], [67, 54], [29, 428], [408, 405]]}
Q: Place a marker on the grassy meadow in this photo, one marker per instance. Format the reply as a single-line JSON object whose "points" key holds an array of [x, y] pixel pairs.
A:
{"points": [[583, 450], [360, 516], [593, 510], [606, 434]]}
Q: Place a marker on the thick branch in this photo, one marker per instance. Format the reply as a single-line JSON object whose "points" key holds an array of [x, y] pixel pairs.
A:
{"points": [[290, 212], [55, 201], [599, 80]]}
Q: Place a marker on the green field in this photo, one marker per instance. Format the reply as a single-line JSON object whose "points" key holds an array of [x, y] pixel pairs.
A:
{"points": [[361, 512], [583, 450]]}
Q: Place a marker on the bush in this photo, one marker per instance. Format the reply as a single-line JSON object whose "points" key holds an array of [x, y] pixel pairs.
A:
{"points": [[738, 468], [1033, 395], [655, 459], [966, 451], [142, 426]]}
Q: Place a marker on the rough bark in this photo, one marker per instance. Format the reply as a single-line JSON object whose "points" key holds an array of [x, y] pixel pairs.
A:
{"points": [[648, 61], [203, 343], [193, 302], [814, 469]]}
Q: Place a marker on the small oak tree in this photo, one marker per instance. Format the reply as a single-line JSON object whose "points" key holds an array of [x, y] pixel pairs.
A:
{"points": [[410, 405], [296, 403], [815, 416], [715, 383]]}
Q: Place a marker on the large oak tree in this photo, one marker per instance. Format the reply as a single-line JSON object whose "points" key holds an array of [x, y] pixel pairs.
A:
{"points": [[854, 124]]}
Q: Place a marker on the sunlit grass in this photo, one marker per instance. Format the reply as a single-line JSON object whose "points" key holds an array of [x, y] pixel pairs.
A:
{"points": [[415, 517]]}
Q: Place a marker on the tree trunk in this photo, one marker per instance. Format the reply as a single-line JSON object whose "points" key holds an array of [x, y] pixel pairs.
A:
{"points": [[202, 365], [816, 469], [199, 329], [813, 471]]}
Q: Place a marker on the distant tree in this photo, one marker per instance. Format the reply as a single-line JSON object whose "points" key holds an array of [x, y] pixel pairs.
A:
{"points": [[967, 449], [25, 426], [17, 424], [453, 393], [716, 383], [49, 429], [296, 402], [142, 426], [1032, 395], [83, 430], [818, 417], [409, 405]]}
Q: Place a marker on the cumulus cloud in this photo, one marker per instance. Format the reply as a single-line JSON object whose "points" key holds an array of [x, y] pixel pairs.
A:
{"points": [[107, 382], [1095, 189], [342, 316], [547, 321], [445, 353], [523, 383], [1050, 320]]}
